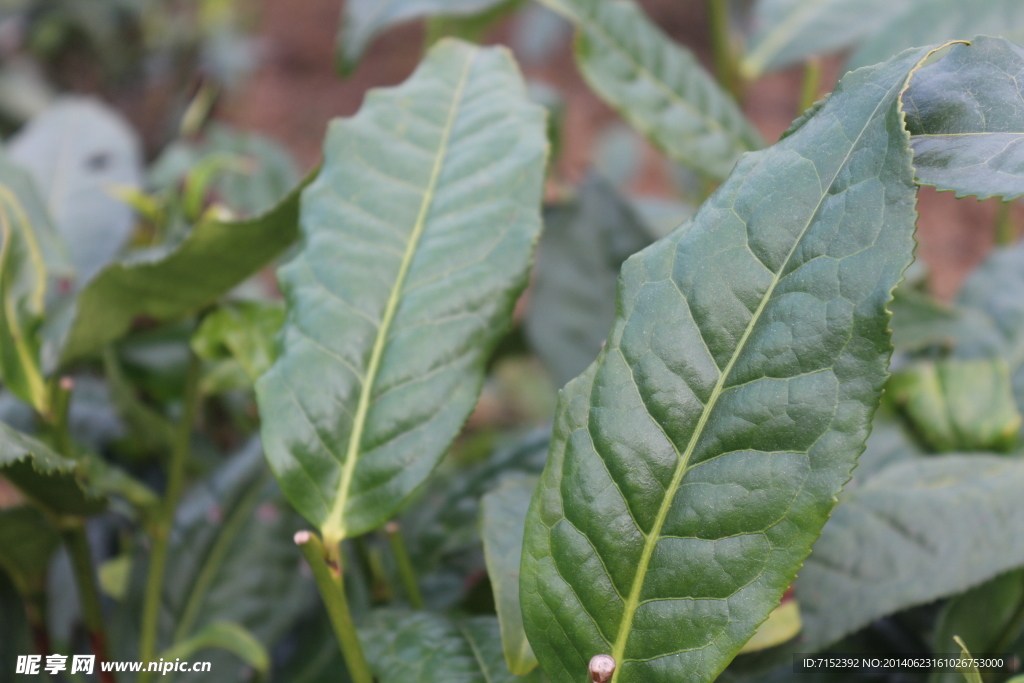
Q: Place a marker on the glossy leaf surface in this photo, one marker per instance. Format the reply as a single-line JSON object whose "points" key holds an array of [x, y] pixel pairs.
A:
{"points": [[407, 647], [956, 520], [27, 542], [694, 463], [418, 236], [658, 86], [502, 519], [966, 121], [172, 281]]}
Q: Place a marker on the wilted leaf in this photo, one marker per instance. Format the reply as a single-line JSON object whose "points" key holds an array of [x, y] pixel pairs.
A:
{"points": [[918, 531], [502, 519], [77, 150], [694, 463], [27, 542], [244, 331], [965, 119], [657, 85], [418, 236], [407, 647]]}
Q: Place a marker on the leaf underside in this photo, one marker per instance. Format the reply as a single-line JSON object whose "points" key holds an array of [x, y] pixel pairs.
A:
{"points": [[694, 463], [418, 236]]}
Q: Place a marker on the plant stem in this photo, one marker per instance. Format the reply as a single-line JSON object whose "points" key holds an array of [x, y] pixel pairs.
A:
{"points": [[85, 578], [811, 84], [165, 518], [1006, 231], [721, 37], [37, 623], [405, 570], [327, 572]]}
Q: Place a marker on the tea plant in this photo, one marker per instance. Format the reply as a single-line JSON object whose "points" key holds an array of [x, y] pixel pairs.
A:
{"points": [[730, 457]]}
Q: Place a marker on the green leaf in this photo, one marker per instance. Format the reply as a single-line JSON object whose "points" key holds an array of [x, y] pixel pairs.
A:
{"points": [[406, 647], [27, 542], [971, 142], [244, 331], [984, 617], [572, 300], [927, 22], [225, 636], [790, 31], [54, 482], [77, 150], [364, 19], [418, 236], [782, 625], [170, 282], [32, 257], [658, 86], [920, 321], [502, 517], [970, 673], [959, 405], [694, 463], [918, 531]]}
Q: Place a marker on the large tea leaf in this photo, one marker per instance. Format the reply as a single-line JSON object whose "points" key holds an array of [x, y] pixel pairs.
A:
{"points": [[694, 463], [418, 235], [425, 648], [966, 122], [364, 19], [173, 281], [925, 22], [916, 532], [657, 85]]}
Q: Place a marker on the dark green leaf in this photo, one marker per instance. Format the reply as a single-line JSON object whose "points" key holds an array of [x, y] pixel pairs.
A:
{"points": [[407, 647], [572, 301], [77, 150], [965, 120], [222, 635], [502, 518], [54, 482], [27, 542], [918, 531], [243, 331], [418, 236], [959, 405], [658, 86], [364, 19], [173, 281], [694, 463]]}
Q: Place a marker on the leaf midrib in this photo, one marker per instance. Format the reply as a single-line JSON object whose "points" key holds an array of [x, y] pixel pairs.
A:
{"points": [[651, 539], [334, 529]]}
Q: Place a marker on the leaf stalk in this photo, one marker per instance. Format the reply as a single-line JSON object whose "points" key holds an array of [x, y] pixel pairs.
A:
{"points": [[726, 68], [405, 571], [88, 595], [811, 85]]}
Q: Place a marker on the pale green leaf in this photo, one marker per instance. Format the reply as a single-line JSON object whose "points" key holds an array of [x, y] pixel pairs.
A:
{"points": [[782, 625], [970, 672], [657, 85], [918, 531], [243, 331], [502, 518], [966, 122], [417, 239], [224, 636], [695, 462]]}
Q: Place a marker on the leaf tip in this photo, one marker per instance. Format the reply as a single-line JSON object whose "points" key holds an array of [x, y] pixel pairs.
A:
{"points": [[601, 668]]}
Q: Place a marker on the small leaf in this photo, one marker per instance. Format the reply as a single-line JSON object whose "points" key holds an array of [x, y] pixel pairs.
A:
{"points": [[658, 86], [959, 405], [172, 281], [572, 301], [694, 463], [364, 19], [77, 150], [418, 236], [113, 576], [225, 636], [971, 142], [54, 482], [970, 672], [502, 518], [244, 331], [27, 542], [914, 533], [782, 625], [424, 648]]}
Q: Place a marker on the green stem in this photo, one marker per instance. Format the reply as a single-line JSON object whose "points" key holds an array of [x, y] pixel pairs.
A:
{"points": [[725, 58], [165, 518], [327, 572], [1006, 231], [88, 595], [405, 570], [811, 85], [34, 614], [61, 402]]}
